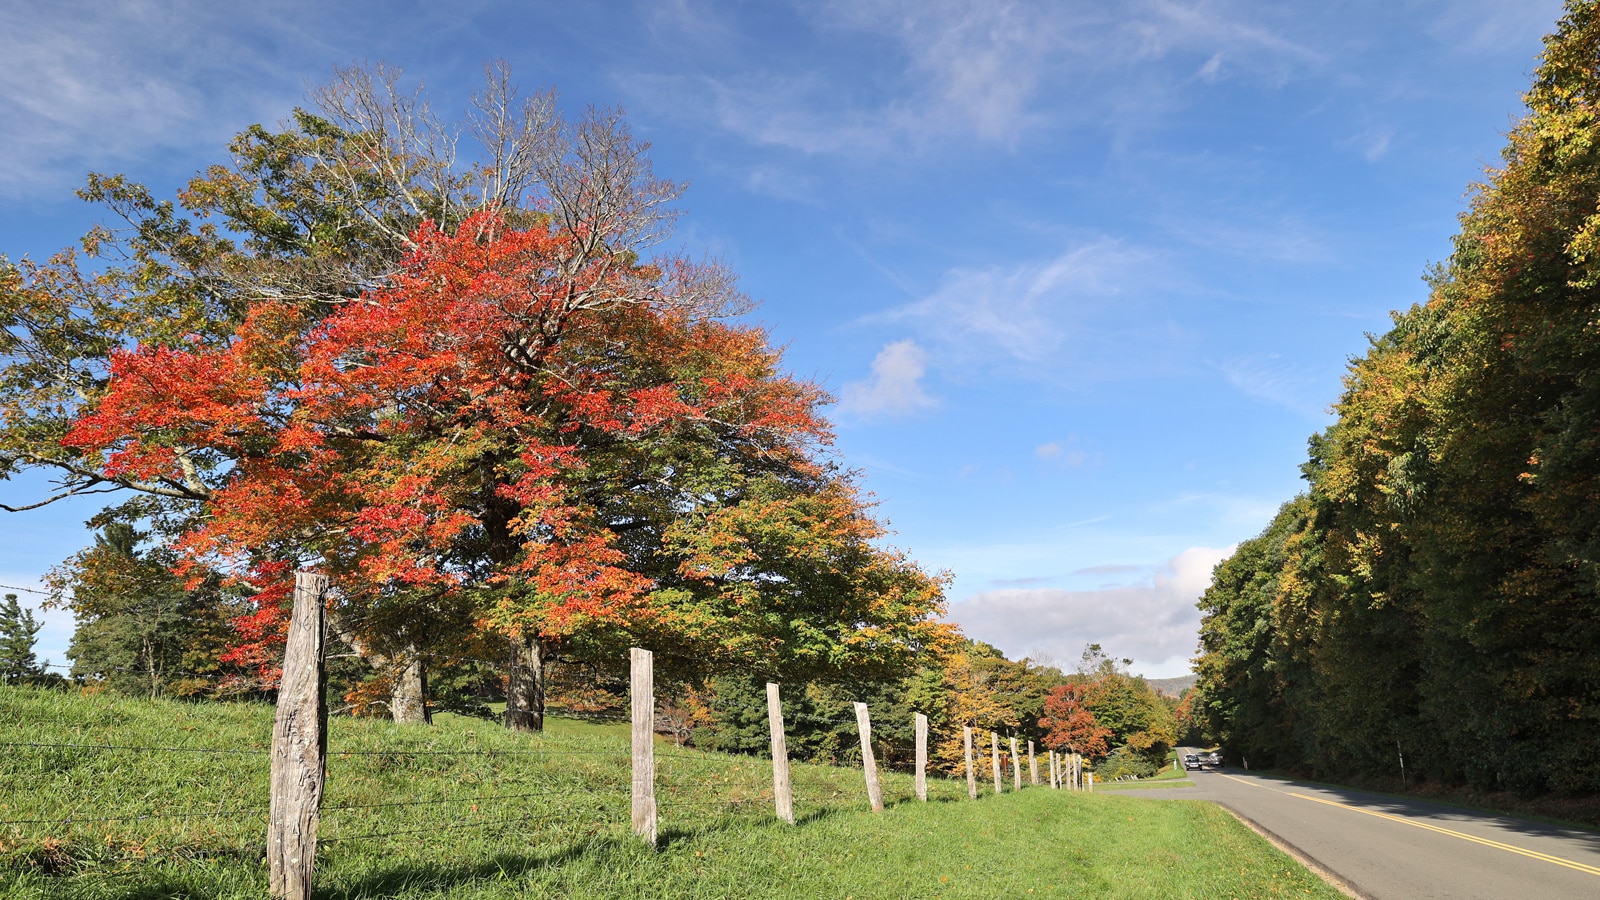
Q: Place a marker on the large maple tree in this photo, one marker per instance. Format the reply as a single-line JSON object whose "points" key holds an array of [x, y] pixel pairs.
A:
{"points": [[490, 423], [493, 417]]}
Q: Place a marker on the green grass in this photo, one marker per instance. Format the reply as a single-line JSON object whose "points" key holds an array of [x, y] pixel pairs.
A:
{"points": [[1168, 774], [553, 820]]}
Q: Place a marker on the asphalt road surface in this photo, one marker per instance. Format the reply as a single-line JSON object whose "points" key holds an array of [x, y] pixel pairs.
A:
{"points": [[1391, 848]]}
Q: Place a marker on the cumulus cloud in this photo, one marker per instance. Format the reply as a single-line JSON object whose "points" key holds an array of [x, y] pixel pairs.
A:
{"points": [[895, 387], [1154, 621]]}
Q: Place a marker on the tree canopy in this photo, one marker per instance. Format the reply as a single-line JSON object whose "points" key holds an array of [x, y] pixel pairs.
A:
{"points": [[471, 391]]}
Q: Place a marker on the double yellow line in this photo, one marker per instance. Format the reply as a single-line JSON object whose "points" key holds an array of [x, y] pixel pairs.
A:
{"points": [[1531, 854]]}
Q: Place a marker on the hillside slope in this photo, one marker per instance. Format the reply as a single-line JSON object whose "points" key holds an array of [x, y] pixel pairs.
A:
{"points": [[167, 799]]}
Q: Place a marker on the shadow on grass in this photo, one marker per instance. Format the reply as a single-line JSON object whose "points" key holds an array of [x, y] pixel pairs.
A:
{"points": [[443, 876]]}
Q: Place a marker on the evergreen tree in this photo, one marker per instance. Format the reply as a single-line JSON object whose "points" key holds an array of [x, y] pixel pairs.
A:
{"points": [[139, 628], [18, 632]]}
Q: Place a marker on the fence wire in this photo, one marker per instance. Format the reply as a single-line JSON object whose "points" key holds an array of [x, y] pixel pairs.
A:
{"points": [[734, 783]]}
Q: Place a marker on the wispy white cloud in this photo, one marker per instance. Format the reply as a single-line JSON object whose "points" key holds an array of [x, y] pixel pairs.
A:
{"points": [[895, 387], [1226, 510], [1485, 27], [1154, 621], [960, 70], [783, 183], [86, 84], [974, 68], [1256, 234], [1027, 314], [1272, 379], [1161, 28], [1067, 454]]}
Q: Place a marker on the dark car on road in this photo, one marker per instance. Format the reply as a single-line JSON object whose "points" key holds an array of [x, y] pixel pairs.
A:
{"points": [[1191, 761]]}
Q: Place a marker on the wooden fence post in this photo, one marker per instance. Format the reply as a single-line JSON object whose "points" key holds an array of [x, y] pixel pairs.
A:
{"points": [[869, 766], [642, 690], [299, 746], [1016, 766], [922, 758], [1033, 766], [994, 758], [1055, 773], [972, 776], [782, 795]]}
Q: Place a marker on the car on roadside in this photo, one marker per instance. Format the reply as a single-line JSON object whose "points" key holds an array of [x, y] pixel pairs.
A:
{"points": [[1191, 761], [1214, 759]]}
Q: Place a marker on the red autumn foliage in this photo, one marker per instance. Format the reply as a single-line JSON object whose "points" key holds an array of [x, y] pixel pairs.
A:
{"points": [[438, 432], [1069, 723]]}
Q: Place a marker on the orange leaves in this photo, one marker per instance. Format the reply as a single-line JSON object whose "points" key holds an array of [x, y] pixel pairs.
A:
{"points": [[457, 427]]}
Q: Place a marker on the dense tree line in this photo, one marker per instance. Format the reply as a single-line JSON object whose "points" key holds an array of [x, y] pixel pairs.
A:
{"points": [[1434, 593], [1115, 719]]}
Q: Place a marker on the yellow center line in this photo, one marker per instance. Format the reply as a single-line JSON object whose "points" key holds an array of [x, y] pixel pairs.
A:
{"points": [[1532, 854]]}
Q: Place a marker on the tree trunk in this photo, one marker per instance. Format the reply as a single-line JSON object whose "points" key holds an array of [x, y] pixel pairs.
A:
{"points": [[525, 689], [150, 668], [408, 703]]}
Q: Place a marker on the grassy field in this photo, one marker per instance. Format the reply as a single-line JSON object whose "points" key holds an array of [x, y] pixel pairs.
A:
{"points": [[464, 809]]}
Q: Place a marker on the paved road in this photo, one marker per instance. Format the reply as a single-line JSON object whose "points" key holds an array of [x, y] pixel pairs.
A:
{"points": [[1390, 848]]}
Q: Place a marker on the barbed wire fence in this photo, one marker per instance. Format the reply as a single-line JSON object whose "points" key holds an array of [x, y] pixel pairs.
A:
{"points": [[488, 789]]}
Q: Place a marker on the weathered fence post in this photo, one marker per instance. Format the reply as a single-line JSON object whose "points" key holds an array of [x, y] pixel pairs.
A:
{"points": [[642, 690], [922, 758], [782, 796], [1016, 766], [994, 758], [1033, 766], [299, 746], [869, 766], [972, 775], [1055, 773]]}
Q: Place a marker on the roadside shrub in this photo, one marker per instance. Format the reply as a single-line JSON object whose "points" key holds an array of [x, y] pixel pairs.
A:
{"points": [[1124, 762]]}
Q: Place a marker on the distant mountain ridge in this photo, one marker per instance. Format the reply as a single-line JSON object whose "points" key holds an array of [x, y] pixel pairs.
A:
{"points": [[1172, 687]]}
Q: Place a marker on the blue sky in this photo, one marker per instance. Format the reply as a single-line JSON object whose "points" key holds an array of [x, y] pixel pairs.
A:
{"points": [[1083, 276]]}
